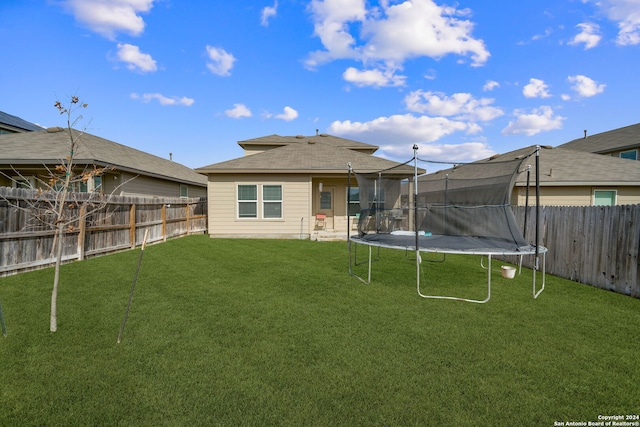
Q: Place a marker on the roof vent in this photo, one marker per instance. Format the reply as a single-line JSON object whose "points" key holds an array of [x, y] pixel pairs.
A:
{"points": [[585, 134], [299, 136], [324, 134], [311, 142], [55, 129]]}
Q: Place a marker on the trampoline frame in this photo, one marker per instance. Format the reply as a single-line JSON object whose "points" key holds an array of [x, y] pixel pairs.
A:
{"points": [[489, 254], [535, 249]]}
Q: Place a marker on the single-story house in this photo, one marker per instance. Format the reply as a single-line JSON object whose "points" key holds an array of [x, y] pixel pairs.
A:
{"points": [[622, 142], [13, 124], [290, 187], [571, 178], [26, 157]]}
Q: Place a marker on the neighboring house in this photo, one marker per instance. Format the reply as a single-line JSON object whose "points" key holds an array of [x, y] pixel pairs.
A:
{"points": [[570, 178], [289, 187], [14, 124], [26, 156], [623, 142]]}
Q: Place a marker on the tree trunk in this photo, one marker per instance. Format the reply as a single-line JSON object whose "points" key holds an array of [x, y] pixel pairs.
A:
{"points": [[53, 324]]}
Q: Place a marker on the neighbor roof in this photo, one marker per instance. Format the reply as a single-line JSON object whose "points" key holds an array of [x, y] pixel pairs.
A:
{"points": [[49, 146], [562, 167], [16, 122], [613, 140], [312, 155], [279, 141]]}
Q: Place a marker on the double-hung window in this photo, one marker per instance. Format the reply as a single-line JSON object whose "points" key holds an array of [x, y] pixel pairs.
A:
{"points": [[272, 201], [247, 201], [260, 201]]}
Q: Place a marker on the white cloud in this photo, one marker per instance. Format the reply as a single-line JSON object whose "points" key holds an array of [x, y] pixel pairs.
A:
{"points": [[536, 89], [287, 115], [547, 33], [267, 13], [109, 17], [135, 59], [585, 87], [455, 153], [490, 85], [589, 35], [539, 120], [163, 100], [238, 111], [627, 15], [406, 129], [220, 61], [462, 106], [389, 34], [376, 78]]}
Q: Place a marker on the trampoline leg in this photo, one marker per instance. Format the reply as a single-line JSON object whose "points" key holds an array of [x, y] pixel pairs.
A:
{"points": [[351, 268], [457, 298], [544, 275]]}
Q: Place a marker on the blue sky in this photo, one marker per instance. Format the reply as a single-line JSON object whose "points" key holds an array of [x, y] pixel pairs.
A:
{"points": [[463, 80]]}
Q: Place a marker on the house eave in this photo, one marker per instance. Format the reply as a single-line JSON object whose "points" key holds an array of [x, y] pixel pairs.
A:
{"points": [[582, 184], [85, 162]]}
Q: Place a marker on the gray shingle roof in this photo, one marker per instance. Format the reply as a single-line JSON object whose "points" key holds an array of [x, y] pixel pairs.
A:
{"points": [[17, 122], [617, 139], [277, 140], [560, 167], [44, 147], [306, 157]]}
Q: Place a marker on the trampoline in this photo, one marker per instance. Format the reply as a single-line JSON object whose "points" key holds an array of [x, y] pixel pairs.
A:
{"points": [[462, 210]]}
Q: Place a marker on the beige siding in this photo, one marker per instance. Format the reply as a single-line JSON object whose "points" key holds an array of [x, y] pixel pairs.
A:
{"points": [[574, 196], [132, 185], [223, 210]]}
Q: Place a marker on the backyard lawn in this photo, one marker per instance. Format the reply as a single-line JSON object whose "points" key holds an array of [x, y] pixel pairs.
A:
{"points": [[276, 332]]}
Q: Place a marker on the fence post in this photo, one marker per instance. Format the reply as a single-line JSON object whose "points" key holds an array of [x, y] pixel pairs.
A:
{"points": [[82, 227], [132, 225]]}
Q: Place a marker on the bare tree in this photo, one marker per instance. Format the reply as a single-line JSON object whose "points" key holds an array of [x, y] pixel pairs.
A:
{"points": [[58, 205]]}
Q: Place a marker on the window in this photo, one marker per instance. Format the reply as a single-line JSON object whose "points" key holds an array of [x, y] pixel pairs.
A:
{"points": [[604, 197], [353, 201], [325, 200], [23, 181], [272, 201], [184, 191], [631, 154], [376, 199], [247, 201], [97, 183], [268, 197]]}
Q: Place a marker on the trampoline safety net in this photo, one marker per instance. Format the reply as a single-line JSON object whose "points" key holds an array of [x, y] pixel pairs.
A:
{"points": [[470, 201]]}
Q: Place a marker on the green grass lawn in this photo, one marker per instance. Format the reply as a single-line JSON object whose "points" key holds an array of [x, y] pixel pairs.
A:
{"points": [[275, 332]]}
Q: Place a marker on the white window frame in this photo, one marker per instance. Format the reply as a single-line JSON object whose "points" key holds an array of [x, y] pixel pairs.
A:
{"points": [[271, 201], [260, 201], [246, 201], [19, 181], [615, 195]]}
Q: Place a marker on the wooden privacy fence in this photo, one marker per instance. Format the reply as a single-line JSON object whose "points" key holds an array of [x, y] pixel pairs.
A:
{"points": [[120, 224], [595, 245]]}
